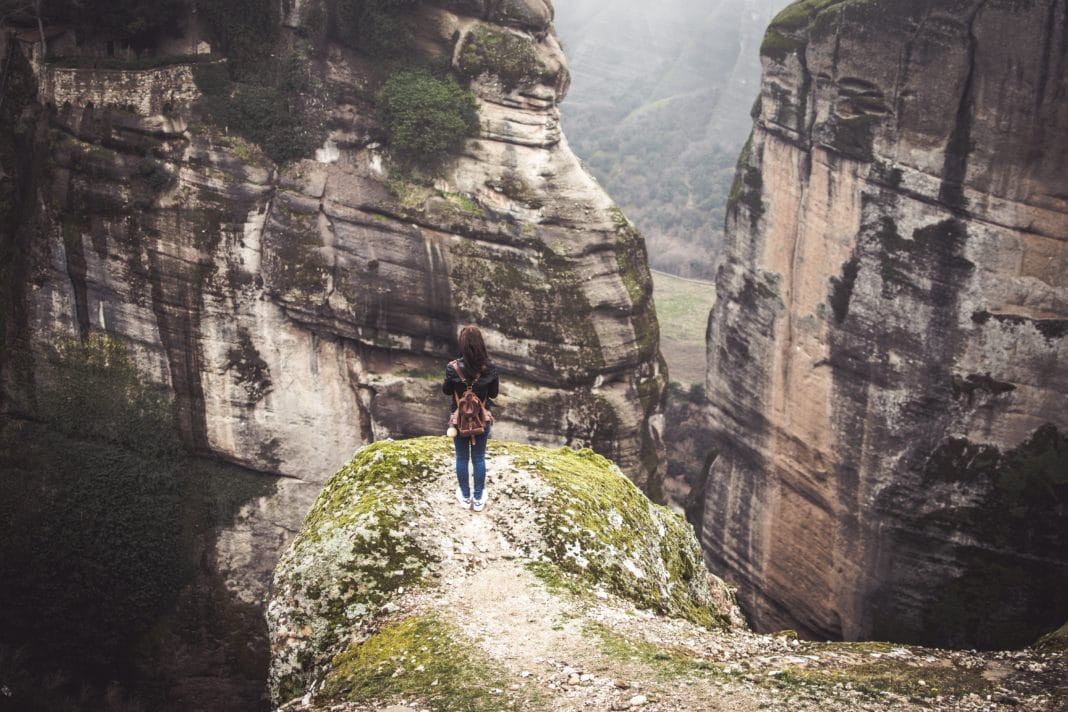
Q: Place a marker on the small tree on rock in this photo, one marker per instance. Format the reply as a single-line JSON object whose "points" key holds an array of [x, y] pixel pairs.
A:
{"points": [[426, 118]]}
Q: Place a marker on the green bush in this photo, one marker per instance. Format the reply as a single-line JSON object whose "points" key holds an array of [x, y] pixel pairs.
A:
{"points": [[381, 28], [495, 51], [243, 30], [268, 117], [426, 118], [276, 103], [272, 114]]}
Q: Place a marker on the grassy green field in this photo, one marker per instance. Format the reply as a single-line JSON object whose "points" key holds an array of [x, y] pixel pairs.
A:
{"points": [[682, 307]]}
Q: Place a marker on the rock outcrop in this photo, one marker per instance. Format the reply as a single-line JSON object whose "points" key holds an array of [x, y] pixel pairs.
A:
{"points": [[302, 309], [887, 357], [571, 590], [386, 527]]}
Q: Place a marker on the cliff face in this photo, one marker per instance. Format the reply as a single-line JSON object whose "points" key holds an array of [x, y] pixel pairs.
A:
{"points": [[300, 310], [887, 375]]}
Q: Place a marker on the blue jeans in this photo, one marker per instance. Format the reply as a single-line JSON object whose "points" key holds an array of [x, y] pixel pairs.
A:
{"points": [[465, 452]]}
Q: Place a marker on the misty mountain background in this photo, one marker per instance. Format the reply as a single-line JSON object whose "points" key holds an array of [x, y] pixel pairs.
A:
{"points": [[659, 109]]}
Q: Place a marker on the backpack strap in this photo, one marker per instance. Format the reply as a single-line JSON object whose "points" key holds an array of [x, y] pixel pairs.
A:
{"points": [[459, 372]]}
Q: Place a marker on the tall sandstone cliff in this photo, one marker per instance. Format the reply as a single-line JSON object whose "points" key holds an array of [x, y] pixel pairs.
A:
{"points": [[298, 311], [888, 356]]}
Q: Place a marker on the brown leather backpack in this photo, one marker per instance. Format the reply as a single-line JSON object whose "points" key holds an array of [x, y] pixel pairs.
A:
{"points": [[471, 418]]}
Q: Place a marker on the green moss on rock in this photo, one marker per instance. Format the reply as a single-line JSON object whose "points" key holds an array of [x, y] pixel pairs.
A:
{"points": [[748, 186], [508, 55], [354, 551], [667, 662], [595, 419], [376, 475], [890, 675], [790, 30], [463, 203], [545, 301], [419, 657], [362, 543], [799, 15], [600, 527], [632, 259], [778, 46], [293, 252]]}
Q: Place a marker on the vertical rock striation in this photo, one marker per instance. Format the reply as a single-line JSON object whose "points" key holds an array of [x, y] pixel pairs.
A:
{"points": [[301, 310], [888, 355]]}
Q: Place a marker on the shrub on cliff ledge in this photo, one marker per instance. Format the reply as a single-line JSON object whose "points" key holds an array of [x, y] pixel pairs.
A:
{"points": [[281, 111], [426, 118], [266, 116], [510, 56], [243, 30], [381, 28]]}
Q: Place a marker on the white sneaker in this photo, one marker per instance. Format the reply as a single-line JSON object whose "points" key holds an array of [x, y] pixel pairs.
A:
{"points": [[464, 502], [479, 504]]}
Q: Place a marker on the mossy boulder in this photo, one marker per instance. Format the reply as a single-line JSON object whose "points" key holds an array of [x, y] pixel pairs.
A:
{"points": [[598, 526], [436, 665], [379, 533], [354, 551]]}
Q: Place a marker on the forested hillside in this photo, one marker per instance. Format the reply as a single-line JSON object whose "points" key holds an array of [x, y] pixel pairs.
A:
{"points": [[659, 110]]}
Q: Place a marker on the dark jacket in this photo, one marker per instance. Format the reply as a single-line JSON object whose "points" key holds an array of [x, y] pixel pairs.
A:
{"points": [[485, 387]]}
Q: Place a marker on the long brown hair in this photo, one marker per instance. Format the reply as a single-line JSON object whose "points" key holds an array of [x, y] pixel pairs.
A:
{"points": [[473, 349]]}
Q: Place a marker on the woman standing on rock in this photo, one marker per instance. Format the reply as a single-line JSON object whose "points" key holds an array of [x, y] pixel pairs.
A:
{"points": [[472, 371]]}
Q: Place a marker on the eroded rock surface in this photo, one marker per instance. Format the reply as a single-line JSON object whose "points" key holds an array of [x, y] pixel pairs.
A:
{"points": [[300, 311], [887, 353]]}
